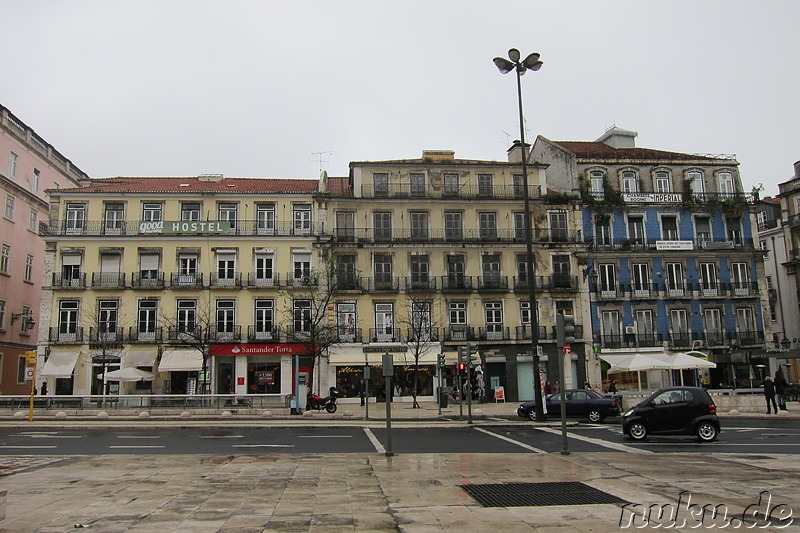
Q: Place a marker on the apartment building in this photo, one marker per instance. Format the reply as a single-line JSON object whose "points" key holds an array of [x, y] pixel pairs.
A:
{"points": [[28, 166], [430, 254], [201, 281], [673, 265]]}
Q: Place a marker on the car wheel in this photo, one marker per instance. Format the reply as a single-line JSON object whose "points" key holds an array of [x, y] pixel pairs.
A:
{"points": [[706, 431], [637, 431], [532, 414], [595, 416]]}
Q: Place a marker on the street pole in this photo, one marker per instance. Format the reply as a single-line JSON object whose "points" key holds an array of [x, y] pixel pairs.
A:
{"points": [[561, 362], [388, 372], [469, 388]]}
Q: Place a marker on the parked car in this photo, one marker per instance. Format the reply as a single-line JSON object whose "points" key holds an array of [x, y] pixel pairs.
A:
{"points": [[580, 403], [673, 411]]}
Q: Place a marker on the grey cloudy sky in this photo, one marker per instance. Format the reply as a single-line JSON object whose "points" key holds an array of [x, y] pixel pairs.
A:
{"points": [[253, 89]]}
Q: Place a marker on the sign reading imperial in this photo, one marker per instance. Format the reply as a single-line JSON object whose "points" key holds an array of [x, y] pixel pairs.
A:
{"points": [[185, 226], [652, 197]]}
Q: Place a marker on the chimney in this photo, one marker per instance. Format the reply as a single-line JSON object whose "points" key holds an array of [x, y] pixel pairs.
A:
{"points": [[797, 169], [515, 152], [210, 177], [439, 155]]}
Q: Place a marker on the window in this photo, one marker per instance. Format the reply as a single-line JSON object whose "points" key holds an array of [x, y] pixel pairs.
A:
{"points": [[187, 316], [2, 315], [561, 272], [669, 228], [226, 266], [384, 322], [29, 268], [21, 369], [458, 313], [636, 229], [33, 219], [558, 226], [663, 182], [761, 218], [596, 185], [265, 219], [146, 319], [346, 321], [12, 165], [602, 231], [734, 230], [263, 319], [488, 225], [227, 212], [420, 271], [420, 327], [302, 218], [5, 256], [345, 225], [519, 226], [525, 312], [68, 320], [708, 279], [76, 218], [678, 323], [419, 224], [451, 185], [37, 180], [114, 218], [493, 313], [518, 185], [702, 226], [675, 280], [382, 264], [380, 184], [522, 269], [9, 212], [696, 185], [187, 268], [453, 225], [725, 183], [346, 272], [264, 269], [630, 182], [149, 266], [71, 275], [740, 278], [490, 267], [640, 279], [645, 326], [24, 325], [745, 322], [151, 212], [485, 189], [107, 319], [382, 224], [456, 268], [417, 185], [190, 211], [607, 280], [226, 319], [712, 324], [301, 266]]}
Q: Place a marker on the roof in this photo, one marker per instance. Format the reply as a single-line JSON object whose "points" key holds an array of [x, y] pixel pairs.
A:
{"points": [[196, 184], [427, 161], [598, 150]]}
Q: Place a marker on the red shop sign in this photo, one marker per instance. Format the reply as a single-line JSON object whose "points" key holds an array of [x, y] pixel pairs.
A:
{"points": [[277, 348]]}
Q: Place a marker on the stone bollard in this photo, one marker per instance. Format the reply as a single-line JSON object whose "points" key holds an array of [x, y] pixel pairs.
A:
{"points": [[61, 415], [20, 414], [308, 413], [3, 494], [226, 414], [102, 414], [267, 414], [144, 414], [186, 414]]}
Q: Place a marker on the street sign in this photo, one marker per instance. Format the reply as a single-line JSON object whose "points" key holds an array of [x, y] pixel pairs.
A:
{"points": [[30, 358], [567, 349], [540, 351], [28, 373]]}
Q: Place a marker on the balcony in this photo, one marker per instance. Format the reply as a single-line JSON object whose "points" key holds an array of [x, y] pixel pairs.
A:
{"points": [[186, 281], [746, 338], [680, 340], [108, 280], [452, 235], [710, 290], [305, 281], [456, 283], [493, 283], [651, 244], [105, 337], [459, 333], [71, 281], [263, 333], [648, 340], [386, 334], [384, 284], [414, 335], [227, 333], [742, 288], [65, 334], [420, 284], [612, 341], [345, 283], [408, 190], [146, 335], [641, 291], [128, 228], [494, 333], [348, 334], [147, 280], [184, 333], [226, 281], [714, 338], [262, 281]]}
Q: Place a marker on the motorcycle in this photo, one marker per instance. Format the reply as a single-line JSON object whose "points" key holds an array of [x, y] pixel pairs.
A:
{"points": [[315, 401]]}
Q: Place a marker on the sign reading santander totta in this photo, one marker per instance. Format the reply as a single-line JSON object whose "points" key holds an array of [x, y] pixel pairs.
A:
{"points": [[278, 348]]}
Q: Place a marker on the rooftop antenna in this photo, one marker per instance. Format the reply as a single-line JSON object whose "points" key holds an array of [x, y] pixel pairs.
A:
{"points": [[508, 138], [318, 158]]}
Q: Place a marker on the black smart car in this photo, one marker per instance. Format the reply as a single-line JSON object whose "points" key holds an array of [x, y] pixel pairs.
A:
{"points": [[673, 411]]}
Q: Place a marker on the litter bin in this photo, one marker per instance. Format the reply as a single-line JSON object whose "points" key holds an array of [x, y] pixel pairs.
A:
{"points": [[443, 399]]}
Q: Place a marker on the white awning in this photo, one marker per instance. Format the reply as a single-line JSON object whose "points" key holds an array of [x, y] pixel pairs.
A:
{"points": [[140, 356], [181, 360], [60, 363], [612, 357]]}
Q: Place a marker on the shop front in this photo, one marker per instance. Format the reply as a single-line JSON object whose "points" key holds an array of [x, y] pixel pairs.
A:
{"points": [[257, 368]]}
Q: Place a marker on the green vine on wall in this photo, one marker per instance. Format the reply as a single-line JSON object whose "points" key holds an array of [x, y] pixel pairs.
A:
{"points": [[611, 201]]}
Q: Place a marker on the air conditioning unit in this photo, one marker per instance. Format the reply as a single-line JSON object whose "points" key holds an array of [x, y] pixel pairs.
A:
{"points": [[630, 330]]}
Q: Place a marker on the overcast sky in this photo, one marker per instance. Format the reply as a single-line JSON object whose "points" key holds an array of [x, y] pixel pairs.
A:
{"points": [[267, 89]]}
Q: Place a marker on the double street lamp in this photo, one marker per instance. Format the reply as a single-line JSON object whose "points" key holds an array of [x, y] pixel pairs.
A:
{"points": [[521, 67]]}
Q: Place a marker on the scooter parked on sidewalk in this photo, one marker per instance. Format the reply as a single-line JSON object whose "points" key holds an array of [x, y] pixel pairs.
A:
{"points": [[315, 401]]}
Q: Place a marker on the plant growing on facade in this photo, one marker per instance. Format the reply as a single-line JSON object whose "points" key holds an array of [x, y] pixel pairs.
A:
{"points": [[612, 198]]}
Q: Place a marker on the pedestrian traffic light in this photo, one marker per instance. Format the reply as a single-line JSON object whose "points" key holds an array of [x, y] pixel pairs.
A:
{"points": [[565, 329], [461, 368]]}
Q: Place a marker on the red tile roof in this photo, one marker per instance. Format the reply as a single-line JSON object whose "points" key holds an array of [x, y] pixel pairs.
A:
{"points": [[598, 150], [195, 184]]}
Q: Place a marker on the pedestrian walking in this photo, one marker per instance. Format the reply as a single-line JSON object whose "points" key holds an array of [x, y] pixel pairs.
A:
{"points": [[556, 387], [44, 388], [780, 389], [769, 394], [362, 391], [548, 387], [613, 387]]}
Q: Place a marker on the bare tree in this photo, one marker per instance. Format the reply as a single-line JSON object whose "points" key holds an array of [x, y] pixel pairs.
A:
{"points": [[421, 336], [105, 335], [195, 327]]}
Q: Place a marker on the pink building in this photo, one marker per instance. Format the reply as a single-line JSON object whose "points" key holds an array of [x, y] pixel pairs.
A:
{"points": [[28, 166]]}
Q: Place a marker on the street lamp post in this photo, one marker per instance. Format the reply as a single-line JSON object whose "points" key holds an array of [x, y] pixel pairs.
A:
{"points": [[505, 66]]}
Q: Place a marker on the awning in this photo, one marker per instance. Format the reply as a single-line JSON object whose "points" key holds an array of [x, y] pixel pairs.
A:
{"points": [[181, 360], [60, 363], [140, 357], [129, 374]]}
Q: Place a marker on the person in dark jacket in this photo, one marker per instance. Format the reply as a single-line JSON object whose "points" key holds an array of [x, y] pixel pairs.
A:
{"points": [[780, 389], [769, 394]]}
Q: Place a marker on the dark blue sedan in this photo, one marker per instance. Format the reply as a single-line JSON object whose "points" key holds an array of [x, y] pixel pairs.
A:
{"points": [[580, 403]]}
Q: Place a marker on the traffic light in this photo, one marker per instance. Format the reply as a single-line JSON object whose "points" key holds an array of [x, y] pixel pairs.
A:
{"points": [[461, 368], [461, 365], [471, 351], [440, 360], [565, 329]]}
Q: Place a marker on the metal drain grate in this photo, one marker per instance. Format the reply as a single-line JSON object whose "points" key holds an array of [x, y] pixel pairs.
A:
{"points": [[538, 494]]}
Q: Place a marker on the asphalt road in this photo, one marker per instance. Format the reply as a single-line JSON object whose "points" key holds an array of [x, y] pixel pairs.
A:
{"points": [[740, 435]]}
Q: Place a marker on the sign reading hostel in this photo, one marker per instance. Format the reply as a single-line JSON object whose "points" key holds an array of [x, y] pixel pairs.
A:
{"points": [[187, 226]]}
